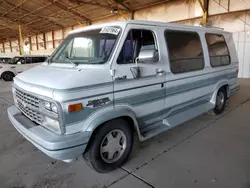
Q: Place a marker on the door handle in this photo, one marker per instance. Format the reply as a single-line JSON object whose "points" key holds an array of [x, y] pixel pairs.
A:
{"points": [[160, 71]]}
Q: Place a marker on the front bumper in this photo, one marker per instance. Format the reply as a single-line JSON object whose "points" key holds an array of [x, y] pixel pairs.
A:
{"points": [[60, 147]]}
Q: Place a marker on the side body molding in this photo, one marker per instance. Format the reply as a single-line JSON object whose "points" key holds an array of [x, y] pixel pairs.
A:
{"points": [[109, 113]]}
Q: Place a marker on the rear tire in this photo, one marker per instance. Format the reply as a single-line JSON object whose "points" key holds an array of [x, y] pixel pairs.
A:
{"points": [[8, 76], [220, 101], [110, 146]]}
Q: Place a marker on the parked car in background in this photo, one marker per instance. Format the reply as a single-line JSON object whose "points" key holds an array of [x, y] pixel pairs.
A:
{"points": [[19, 64], [5, 59]]}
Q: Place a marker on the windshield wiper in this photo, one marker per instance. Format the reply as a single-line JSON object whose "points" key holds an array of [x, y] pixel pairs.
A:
{"points": [[69, 61]]}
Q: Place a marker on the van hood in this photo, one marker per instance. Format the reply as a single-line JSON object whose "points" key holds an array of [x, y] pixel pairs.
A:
{"points": [[61, 78]]}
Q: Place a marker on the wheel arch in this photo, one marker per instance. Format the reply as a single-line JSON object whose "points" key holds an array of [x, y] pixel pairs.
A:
{"points": [[222, 84], [122, 112], [6, 71]]}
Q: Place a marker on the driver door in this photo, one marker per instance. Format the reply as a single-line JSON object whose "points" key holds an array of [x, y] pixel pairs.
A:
{"points": [[145, 93]]}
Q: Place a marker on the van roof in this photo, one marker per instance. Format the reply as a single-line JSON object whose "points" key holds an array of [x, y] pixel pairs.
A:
{"points": [[152, 23]]}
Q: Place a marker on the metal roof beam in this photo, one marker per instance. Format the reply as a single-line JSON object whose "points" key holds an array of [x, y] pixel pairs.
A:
{"points": [[206, 4], [69, 10], [32, 13], [152, 4], [15, 6], [122, 4], [52, 15], [17, 23], [81, 3]]}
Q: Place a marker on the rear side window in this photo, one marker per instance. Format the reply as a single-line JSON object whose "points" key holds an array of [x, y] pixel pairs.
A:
{"points": [[185, 51], [38, 59], [218, 51], [21, 60], [28, 60]]}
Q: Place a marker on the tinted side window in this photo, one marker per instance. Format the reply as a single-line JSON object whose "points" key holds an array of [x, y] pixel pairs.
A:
{"points": [[218, 51], [7, 60], [28, 60], [4, 60], [21, 60], [136, 41], [35, 59], [185, 51], [42, 59], [38, 59]]}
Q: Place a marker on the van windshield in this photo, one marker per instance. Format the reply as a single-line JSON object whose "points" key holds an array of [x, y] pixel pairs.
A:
{"points": [[89, 47]]}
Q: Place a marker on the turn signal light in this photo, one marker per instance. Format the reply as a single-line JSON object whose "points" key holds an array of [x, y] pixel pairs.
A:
{"points": [[75, 107]]}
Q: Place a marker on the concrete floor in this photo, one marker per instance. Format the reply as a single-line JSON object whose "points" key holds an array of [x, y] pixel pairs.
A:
{"points": [[209, 151]]}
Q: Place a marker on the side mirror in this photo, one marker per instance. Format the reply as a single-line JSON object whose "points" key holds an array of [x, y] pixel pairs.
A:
{"points": [[148, 56]]}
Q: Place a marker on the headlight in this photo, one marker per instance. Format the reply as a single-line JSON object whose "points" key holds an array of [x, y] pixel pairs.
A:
{"points": [[51, 123], [47, 105], [54, 108], [50, 106]]}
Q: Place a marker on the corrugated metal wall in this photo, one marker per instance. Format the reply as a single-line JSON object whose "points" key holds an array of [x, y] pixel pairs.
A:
{"points": [[242, 43]]}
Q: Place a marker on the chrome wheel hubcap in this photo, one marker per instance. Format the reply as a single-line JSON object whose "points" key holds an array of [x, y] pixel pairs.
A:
{"points": [[113, 146], [220, 100]]}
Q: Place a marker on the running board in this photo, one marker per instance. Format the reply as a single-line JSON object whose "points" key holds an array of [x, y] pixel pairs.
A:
{"points": [[175, 120], [154, 130], [187, 115]]}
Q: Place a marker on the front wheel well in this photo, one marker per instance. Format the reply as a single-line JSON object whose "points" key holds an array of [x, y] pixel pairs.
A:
{"points": [[128, 119]]}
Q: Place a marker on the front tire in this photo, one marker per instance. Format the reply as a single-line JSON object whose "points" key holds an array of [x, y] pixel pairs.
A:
{"points": [[110, 146], [220, 101], [8, 76]]}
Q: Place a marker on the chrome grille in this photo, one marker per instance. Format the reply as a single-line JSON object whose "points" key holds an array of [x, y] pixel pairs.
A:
{"points": [[27, 99], [29, 106]]}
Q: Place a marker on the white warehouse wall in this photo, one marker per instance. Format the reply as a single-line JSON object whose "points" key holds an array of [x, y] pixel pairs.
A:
{"points": [[242, 44]]}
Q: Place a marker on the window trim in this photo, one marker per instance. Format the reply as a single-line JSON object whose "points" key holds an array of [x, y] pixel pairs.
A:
{"points": [[184, 31], [217, 55], [155, 39]]}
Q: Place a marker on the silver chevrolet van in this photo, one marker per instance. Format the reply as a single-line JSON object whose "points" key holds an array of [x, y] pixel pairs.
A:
{"points": [[105, 82]]}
